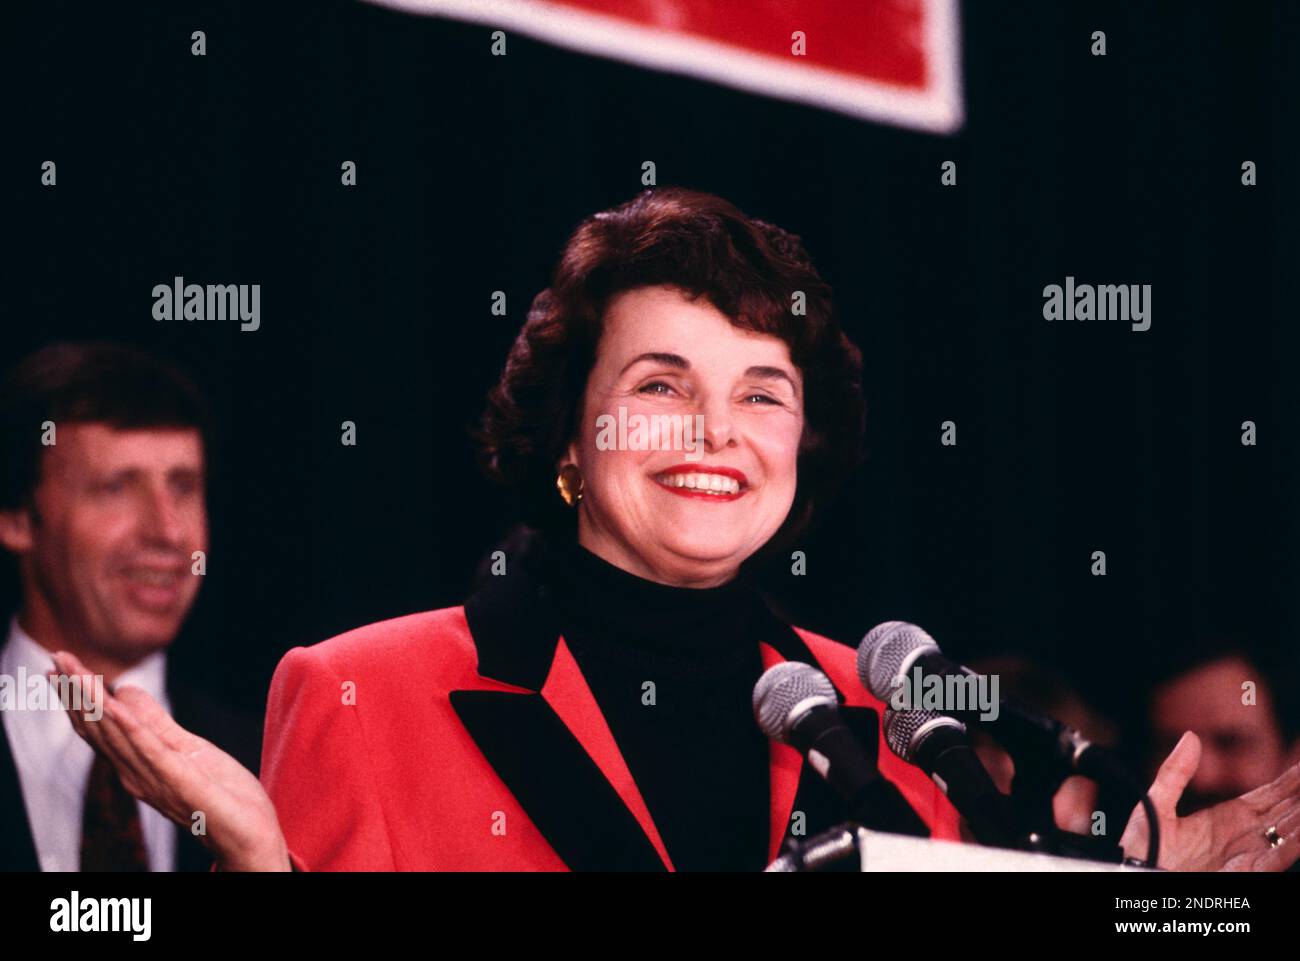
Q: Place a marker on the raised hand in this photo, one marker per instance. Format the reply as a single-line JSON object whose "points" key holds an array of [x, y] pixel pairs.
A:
{"points": [[1230, 836], [181, 774]]}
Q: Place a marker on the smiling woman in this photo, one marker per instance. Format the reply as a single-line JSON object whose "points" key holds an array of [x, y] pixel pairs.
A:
{"points": [[677, 302], [647, 511]]}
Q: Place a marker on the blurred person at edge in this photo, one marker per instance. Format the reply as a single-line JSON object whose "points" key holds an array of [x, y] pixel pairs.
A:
{"points": [[102, 504], [512, 733], [1230, 698]]}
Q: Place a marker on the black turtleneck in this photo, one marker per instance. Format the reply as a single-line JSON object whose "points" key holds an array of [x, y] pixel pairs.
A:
{"points": [[673, 671]]}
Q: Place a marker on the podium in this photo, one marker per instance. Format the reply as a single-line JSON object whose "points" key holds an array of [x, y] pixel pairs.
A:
{"points": [[879, 851]]}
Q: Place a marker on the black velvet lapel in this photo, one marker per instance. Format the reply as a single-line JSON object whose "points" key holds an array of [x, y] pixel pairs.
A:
{"points": [[556, 781], [516, 634], [17, 849], [515, 629]]}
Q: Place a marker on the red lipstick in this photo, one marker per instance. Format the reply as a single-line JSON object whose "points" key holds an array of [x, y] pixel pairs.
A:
{"points": [[732, 492]]}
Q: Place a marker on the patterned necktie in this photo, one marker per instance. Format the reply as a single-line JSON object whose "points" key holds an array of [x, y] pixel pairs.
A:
{"points": [[111, 837]]}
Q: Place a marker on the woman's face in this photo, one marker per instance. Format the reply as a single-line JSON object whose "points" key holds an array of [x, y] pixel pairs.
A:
{"points": [[681, 516]]}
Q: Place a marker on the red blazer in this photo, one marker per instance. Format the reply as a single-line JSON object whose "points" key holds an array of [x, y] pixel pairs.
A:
{"points": [[420, 744]]}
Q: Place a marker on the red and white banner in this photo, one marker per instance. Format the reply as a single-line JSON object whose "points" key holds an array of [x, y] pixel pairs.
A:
{"points": [[895, 61]]}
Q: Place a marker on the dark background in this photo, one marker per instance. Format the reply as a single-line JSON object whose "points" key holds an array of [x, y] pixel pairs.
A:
{"points": [[472, 170]]}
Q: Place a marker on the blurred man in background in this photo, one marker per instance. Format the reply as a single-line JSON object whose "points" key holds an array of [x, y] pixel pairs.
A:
{"points": [[103, 509], [1229, 698]]}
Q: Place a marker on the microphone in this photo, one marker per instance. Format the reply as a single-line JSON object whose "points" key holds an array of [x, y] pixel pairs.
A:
{"points": [[939, 746], [895, 649], [796, 704]]}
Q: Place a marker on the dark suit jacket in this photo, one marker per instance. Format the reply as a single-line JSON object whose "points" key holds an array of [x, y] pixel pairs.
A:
{"points": [[236, 733]]}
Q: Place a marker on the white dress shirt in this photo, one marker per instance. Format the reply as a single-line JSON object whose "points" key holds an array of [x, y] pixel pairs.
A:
{"points": [[54, 763]]}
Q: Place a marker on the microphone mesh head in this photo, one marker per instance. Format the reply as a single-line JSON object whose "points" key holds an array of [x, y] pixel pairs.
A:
{"points": [[885, 650], [781, 687], [903, 730]]}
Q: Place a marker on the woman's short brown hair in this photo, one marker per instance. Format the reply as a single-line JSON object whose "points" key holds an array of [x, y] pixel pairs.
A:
{"points": [[749, 270]]}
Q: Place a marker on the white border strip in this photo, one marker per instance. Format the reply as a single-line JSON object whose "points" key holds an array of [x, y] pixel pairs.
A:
{"points": [[937, 108]]}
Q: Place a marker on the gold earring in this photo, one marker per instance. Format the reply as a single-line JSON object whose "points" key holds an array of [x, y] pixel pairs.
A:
{"points": [[569, 483]]}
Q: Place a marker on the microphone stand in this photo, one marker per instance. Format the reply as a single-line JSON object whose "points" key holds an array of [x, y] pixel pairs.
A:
{"points": [[1039, 747], [821, 851], [1032, 789]]}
